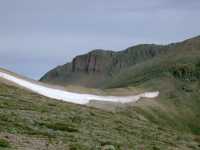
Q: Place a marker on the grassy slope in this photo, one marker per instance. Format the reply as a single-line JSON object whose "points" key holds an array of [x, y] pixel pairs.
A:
{"points": [[186, 52], [35, 120], [177, 77]]}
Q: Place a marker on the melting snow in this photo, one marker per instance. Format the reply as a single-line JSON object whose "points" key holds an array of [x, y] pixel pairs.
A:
{"points": [[73, 97]]}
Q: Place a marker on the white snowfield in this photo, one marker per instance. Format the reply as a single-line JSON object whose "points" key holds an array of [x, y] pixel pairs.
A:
{"points": [[77, 98]]}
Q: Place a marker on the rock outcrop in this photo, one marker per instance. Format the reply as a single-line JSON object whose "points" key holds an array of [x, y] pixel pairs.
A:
{"points": [[99, 65]]}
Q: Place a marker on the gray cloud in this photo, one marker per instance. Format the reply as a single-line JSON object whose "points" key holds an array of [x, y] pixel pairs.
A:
{"points": [[37, 35]]}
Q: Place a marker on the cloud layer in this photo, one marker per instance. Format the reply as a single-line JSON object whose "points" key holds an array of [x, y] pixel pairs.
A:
{"points": [[37, 35]]}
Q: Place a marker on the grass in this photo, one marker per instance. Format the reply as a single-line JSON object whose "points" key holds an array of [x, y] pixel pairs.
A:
{"points": [[177, 79], [76, 127], [4, 143]]}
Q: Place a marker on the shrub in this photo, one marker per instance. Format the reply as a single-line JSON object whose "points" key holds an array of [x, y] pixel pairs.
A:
{"points": [[62, 127], [4, 143]]}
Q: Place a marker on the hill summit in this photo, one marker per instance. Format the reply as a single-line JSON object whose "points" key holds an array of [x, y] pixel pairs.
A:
{"points": [[98, 67]]}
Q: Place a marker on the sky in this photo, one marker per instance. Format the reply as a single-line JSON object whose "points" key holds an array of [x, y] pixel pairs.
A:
{"points": [[38, 35]]}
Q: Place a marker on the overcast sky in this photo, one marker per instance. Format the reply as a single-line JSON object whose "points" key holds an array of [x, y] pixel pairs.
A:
{"points": [[37, 35]]}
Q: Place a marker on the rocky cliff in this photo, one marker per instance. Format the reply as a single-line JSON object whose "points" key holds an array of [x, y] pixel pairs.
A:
{"points": [[99, 65]]}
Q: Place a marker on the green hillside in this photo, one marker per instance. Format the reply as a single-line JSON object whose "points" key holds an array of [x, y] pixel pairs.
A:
{"points": [[177, 77], [180, 61], [29, 120]]}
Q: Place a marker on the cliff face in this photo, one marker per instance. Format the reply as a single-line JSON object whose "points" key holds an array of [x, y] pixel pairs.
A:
{"points": [[100, 65], [100, 68], [96, 61]]}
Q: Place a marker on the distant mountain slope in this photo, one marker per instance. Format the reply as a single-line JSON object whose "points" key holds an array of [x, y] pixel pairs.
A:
{"points": [[98, 67], [180, 61]]}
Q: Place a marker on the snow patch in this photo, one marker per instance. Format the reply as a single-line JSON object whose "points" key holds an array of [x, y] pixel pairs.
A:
{"points": [[73, 97]]}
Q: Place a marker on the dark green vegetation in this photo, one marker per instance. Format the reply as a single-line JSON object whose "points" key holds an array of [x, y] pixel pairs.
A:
{"points": [[72, 126], [4, 143]]}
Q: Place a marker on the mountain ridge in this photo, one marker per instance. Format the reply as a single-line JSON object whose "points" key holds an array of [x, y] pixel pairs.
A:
{"points": [[102, 63], [99, 66]]}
